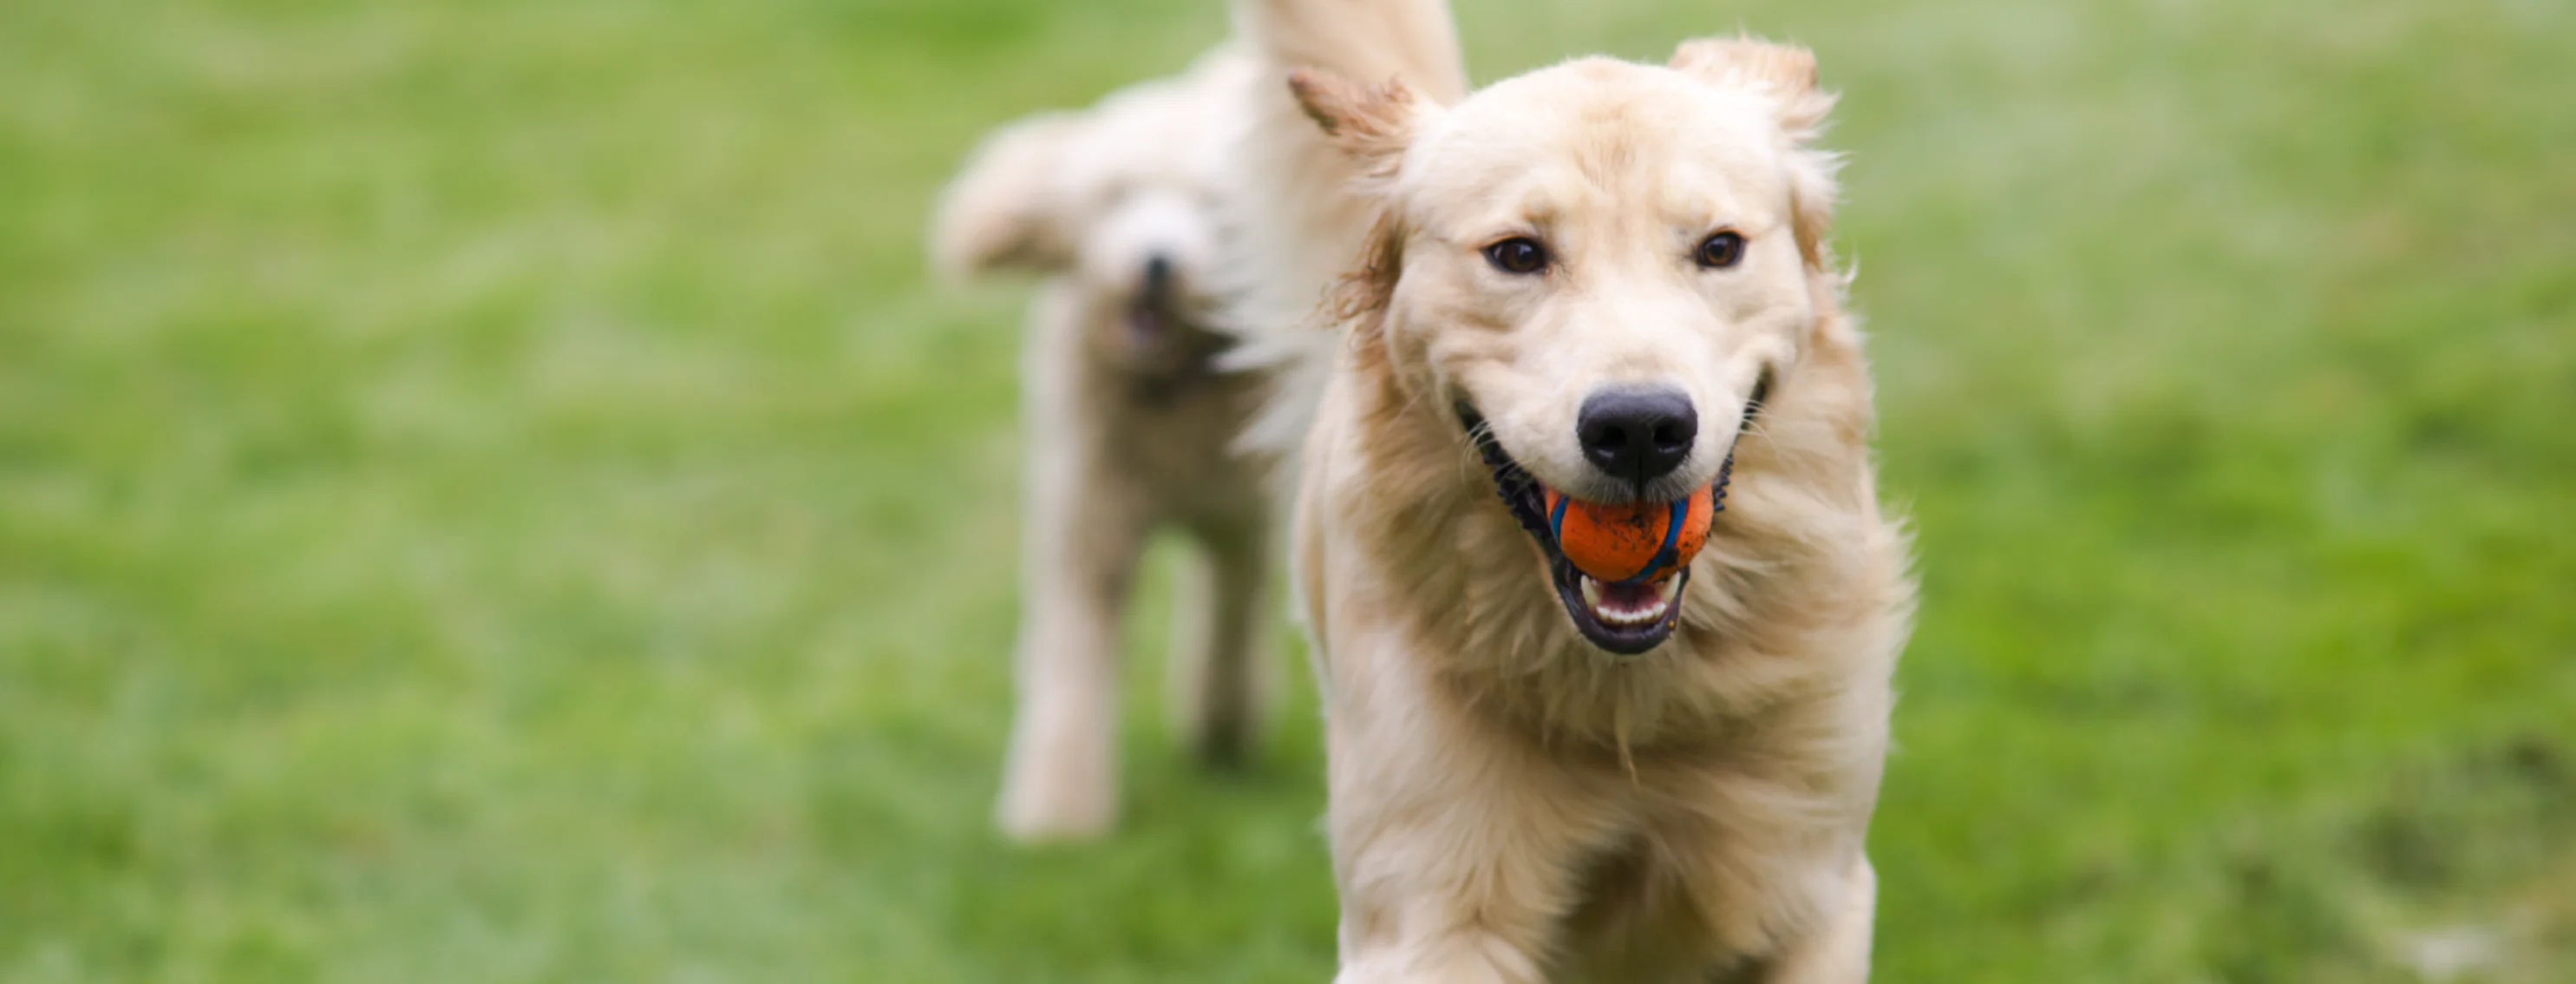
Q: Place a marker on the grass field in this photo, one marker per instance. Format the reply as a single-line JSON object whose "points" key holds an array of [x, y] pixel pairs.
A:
{"points": [[485, 494]]}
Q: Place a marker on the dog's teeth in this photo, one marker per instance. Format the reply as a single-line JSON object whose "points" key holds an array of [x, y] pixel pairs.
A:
{"points": [[1648, 614], [1662, 602], [1641, 617]]}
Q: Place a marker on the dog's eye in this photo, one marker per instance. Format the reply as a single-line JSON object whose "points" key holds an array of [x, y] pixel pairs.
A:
{"points": [[1720, 250], [1519, 254]]}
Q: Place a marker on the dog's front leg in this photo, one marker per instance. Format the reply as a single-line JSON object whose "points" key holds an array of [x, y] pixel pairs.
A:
{"points": [[1061, 779], [1218, 677], [1837, 952], [1457, 960], [1083, 534], [1455, 845]]}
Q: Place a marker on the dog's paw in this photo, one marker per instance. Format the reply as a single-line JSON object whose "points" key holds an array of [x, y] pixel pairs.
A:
{"points": [[1046, 801]]}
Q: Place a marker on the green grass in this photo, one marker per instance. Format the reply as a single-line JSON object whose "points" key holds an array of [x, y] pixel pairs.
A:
{"points": [[485, 494]]}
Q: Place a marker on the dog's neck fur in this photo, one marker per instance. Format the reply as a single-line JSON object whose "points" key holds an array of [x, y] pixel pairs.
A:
{"points": [[1801, 500]]}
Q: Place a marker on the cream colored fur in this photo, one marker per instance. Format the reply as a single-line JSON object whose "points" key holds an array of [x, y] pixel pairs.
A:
{"points": [[1127, 431], [1509, 803]]}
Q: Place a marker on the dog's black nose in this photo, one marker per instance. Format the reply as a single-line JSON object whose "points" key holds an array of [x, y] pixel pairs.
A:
{"points": [[1158, 275], [1637, 435]]}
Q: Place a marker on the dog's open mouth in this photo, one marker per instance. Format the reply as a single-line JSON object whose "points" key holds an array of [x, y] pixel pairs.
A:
{"points": [[1150, 321], [1163, 346], [1623, 617]]}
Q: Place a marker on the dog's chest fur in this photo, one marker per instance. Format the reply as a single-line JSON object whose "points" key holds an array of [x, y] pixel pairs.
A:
{"points": [[1713, 861], [1163, 425]]}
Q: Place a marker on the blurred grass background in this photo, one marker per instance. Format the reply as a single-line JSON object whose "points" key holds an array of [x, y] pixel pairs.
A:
{"points": [[485, 494]]}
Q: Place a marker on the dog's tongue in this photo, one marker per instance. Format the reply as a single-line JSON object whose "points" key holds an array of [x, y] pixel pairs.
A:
{"points": [[1638, 597], [1147, 323]]}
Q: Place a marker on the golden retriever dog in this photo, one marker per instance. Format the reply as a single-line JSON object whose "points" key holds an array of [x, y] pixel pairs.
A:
{"points": [[1128, 422], [1614, 281]]}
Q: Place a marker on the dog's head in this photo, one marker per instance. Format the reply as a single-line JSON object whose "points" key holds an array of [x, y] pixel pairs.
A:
{"points": [[1119, 196], [1603, 267]]}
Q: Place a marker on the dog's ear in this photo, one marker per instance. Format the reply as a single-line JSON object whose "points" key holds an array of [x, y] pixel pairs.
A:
{"points": [[1784, 72], [1785, 75], [1369, 287], [1373, 124], [1003, 210]]}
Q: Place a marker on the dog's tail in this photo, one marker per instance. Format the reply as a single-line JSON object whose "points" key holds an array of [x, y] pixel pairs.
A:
{"points": [[1295, 221]]}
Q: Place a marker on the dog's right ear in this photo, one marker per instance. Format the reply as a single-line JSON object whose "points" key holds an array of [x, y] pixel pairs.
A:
{"points": [[1003, 211], [1373, 124]]}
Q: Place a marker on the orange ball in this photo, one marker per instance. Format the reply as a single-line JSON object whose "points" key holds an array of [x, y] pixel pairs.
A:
{"points": [[1630, 541]]}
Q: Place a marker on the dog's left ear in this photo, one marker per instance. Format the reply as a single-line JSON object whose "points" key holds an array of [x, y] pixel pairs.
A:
{"points": [[1785, 75], [1002, 211], [1784, 72]]}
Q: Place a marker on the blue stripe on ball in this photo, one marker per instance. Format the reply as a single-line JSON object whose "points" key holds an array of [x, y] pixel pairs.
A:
{"points": [[1672, 535], [1556, 518]]}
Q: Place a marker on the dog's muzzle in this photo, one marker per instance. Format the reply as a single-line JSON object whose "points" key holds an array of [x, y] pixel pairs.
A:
{"points": [[1624, 618]]}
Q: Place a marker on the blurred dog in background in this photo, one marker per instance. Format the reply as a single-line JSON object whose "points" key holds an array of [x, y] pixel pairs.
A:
{"points": [[1128, 422]]}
